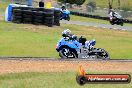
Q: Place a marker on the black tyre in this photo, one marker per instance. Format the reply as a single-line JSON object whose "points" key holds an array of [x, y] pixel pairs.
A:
{"points": [[41, 9], [17, 14], [17, 11], [56, 18], [27, 16], [40, 13], [111, 23], [50, 21], [17, 17], [57, 11], [48, 10], [38, 21], [57, 22], [49, 17], [48, 14], [65, 53], [49, 25], [39, 17], [27, 19], [27, 22], [27, 12], [35, 9]]}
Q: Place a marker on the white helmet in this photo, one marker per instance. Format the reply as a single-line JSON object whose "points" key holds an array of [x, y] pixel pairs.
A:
{"points": [[66, 32]]}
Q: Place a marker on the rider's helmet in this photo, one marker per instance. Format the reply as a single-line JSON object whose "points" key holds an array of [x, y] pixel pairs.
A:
{"points": [[63, 7], [66, 33]]}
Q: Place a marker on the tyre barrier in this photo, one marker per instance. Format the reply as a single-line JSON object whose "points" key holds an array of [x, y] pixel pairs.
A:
{"points": [[57, 14], [37, 16], [95, 16], [17, 16], [27, 16]]}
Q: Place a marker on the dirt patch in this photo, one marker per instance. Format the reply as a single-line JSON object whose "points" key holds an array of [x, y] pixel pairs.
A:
{"points": [[13, 66]]}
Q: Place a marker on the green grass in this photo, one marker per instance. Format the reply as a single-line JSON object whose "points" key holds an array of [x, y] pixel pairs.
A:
{"points": [[17, 41], [85, 19], [31, 40], [125, 4], [49, 80]]}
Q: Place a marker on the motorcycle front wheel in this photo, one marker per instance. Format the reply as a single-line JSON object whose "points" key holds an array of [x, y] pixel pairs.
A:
{"points": [[68, 18], [65, 53], [111, 22]]}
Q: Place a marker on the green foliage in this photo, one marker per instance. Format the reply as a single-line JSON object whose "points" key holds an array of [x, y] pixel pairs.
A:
{"points": [[78, 2], [125, 4], [92, 4]]}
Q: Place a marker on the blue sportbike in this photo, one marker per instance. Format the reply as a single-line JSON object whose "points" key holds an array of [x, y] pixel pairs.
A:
{"points": [[65, 14], [78, 48]]}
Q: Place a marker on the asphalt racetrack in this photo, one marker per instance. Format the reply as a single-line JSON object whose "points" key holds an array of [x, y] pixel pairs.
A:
{"points": [[99, 25]]}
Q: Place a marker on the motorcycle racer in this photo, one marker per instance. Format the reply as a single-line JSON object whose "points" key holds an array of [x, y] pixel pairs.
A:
{"points": [[115, 18], [67, 34], [71, 47]]}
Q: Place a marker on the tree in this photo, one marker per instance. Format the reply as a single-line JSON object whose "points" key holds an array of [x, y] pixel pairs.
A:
{"points": [[119, 4], [78, 2], [110, 2]]}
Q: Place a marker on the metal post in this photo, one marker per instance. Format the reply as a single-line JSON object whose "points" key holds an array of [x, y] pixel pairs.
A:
{"points": [[30, 2]]}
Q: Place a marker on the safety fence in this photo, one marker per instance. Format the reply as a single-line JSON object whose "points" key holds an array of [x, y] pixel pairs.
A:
{"points": [[37, 16], [95, 16]]}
